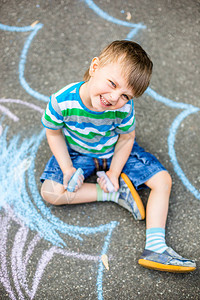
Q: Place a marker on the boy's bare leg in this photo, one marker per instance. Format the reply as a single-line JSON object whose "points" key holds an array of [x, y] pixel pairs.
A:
{"points": [[55, 193], [158, 202], [157, 255]]}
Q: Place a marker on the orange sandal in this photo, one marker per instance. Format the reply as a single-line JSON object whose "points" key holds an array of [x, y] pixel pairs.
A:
{"points": [[168, 261], [130, 199]]}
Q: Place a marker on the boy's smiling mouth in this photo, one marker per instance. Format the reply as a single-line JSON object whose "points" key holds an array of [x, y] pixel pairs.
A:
{"points": [[104, 101]]}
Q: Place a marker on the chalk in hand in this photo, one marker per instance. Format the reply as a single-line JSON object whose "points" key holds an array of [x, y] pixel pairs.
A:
{"points": [[73, 181], [109, 185]]}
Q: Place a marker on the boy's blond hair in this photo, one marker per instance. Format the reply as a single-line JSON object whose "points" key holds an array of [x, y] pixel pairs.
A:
{"points": [[136, 64]]}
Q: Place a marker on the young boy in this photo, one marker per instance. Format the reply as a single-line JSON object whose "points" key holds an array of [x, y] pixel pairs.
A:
{"points": [[91, 125]]}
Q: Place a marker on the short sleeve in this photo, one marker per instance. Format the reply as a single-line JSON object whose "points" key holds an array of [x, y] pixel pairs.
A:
{"points": [[52, 117], [127, 124]]}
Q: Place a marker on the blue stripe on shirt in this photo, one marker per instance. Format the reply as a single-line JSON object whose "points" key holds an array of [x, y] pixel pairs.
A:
{"points": [[54, 112]]}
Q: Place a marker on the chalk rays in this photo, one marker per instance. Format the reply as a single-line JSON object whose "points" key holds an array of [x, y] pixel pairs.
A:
{"points": [[9, 114], [18, 262], [18, 101], [4, 274], [23, 187]]}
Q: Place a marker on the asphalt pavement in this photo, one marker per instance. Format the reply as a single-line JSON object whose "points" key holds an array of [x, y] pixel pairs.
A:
{"points": [[49, 252]]}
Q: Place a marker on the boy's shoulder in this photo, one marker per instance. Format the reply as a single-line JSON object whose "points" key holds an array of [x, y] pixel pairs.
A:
{"points": [[126, 108], [69, 91]]}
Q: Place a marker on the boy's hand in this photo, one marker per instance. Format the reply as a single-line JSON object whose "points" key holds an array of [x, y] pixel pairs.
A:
{"points": [[113, 178], [68, 175]]}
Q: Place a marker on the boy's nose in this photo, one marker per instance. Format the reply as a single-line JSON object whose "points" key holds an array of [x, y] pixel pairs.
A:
{"points": [[114, 96]]}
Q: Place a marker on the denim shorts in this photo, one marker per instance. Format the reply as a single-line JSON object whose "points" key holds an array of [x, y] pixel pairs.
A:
{"points": [[140, 166]]}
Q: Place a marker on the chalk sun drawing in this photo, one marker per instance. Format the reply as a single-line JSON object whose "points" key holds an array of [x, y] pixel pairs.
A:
{"points": [[23, 205], [24, 156], [23, 164]]}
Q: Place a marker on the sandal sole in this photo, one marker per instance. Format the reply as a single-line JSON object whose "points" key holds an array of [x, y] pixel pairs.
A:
{"points": [[135, 195], [167, 268]]}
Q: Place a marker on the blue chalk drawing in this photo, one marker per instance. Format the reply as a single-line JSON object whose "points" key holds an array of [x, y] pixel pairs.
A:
{"points": [[23, 57], [24, 204], [107, 17], [27, 201], [188, 109], [44, 222], [101, 267]]}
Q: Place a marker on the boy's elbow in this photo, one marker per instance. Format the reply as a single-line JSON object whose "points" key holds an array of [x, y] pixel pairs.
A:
{"points": [[51, 132], [130, 137]]}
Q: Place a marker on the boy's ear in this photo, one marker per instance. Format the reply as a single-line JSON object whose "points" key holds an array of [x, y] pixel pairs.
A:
{"points": [[94, 66]]}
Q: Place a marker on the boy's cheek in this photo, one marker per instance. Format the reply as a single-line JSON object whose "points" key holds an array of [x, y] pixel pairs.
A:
{"points": [[119, 105]]}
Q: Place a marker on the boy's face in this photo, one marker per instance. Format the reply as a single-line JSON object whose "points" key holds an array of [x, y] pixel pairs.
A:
{"points": [[107, 88]]}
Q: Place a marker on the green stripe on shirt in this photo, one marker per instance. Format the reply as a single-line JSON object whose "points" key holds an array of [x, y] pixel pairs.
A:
{"points": [[103, 150], [82, 113], [90, 135], [48, 118]]}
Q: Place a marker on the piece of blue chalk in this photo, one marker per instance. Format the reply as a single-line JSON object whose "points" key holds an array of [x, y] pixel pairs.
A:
{"points": [[73, 181]]}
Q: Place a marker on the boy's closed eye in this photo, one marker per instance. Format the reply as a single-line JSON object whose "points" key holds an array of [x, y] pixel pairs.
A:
{"points": [[112, 83], [124, 96]]}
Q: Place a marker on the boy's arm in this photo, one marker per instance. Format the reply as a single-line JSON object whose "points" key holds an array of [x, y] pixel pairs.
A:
{"points": [[121, 154], [59, 149]]}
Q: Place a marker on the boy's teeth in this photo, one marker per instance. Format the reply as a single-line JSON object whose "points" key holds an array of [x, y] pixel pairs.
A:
{"points": [[104, 101]]}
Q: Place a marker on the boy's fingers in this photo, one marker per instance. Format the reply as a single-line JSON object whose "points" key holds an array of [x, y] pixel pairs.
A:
{"points": [[102, 182], [116, 186], [65, 183], [79, 182]]}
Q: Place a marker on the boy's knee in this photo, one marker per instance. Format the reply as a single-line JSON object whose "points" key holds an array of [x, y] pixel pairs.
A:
{"points": [[161, 180], [49, 194], [54, 193], [46, 195], [165, 180]]}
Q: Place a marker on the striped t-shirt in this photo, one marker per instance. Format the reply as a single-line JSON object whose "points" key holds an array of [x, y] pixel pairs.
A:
{"points": [[87, 131]]}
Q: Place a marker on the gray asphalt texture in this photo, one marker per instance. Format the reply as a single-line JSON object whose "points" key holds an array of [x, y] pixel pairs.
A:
{"points": [[71, 36]]}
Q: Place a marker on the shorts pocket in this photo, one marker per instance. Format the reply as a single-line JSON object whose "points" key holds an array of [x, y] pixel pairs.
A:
{"points": [[145, 159]]}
